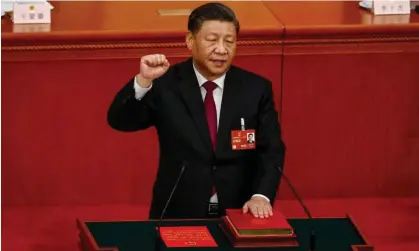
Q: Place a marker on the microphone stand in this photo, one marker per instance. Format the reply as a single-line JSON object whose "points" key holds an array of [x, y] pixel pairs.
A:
{"points": [[158, 234]]}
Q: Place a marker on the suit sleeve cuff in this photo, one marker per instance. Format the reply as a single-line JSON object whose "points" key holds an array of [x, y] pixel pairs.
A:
{"points": [[263, 196], [140, 92]]}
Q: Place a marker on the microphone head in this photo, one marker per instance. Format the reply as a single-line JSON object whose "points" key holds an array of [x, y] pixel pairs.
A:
{"points": [[184, 165]]}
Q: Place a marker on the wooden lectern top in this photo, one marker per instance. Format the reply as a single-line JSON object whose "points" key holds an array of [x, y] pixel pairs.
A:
{"points": [[313, 19], [132, 20]]}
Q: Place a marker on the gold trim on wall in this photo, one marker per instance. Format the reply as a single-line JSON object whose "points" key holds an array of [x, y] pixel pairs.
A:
{"points": [[123, 46]]}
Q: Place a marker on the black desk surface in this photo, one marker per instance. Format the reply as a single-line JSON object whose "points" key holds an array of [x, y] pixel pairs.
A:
{"points": [[332, 234]]}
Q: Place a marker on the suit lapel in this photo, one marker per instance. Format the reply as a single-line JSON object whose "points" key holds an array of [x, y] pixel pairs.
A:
{"points": [[230, 102], [192, 97]]}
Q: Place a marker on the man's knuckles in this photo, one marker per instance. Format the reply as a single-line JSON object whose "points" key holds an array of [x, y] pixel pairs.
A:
{"points": [[154, 60]]}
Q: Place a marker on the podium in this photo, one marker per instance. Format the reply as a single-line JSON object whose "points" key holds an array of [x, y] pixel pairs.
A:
{"points": [[332, 234]]}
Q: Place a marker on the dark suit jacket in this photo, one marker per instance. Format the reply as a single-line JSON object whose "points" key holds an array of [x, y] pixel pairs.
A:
{"points": [[175, 107]]}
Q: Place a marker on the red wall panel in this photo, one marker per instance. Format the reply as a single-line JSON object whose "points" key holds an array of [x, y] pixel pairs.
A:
{"points": [[351, 123]]}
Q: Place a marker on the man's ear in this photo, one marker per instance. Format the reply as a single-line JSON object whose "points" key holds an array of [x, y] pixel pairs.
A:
{"points": [[189, 40]]}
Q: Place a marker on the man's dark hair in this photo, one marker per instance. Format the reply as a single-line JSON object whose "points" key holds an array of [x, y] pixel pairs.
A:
{"points": [[211, 12]]}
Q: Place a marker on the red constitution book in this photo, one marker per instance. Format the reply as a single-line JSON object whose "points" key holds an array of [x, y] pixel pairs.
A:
{"points": [[196, 236], [244, 230], [248, 225]]}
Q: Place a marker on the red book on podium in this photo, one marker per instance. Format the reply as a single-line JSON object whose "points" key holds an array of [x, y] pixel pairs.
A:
{"points": [[244, 230], [187, 236]]}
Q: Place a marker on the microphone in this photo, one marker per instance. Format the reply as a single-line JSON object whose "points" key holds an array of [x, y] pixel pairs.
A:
{"points": [[312, 240], [158, 237]]}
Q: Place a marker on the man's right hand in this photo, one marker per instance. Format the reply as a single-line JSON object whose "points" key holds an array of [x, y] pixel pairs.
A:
{"points": [[151, 67]]}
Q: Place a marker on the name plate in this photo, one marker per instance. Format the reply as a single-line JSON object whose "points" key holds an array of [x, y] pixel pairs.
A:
{"points": [[32, 12], [391, 7], [176, 12]]}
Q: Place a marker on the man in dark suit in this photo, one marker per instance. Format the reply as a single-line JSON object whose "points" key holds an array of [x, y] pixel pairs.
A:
{"points": [[195, 105]]}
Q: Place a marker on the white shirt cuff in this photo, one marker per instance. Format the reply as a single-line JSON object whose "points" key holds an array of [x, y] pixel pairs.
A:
{"points": [[214, 198], [263, 196], [140, 91]]}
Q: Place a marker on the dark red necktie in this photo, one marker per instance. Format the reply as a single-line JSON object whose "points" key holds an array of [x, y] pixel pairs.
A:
{"points": [[211, 113]]}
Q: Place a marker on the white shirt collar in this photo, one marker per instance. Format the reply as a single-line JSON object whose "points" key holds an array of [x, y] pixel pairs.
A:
{"points": [[201, 79]]}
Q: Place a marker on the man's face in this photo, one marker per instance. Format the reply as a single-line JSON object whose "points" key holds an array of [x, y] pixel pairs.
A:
{"points": [[250, 136], [213, 47]]}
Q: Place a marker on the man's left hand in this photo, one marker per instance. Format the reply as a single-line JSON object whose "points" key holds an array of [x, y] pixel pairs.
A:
{"points": [[259, 207]]}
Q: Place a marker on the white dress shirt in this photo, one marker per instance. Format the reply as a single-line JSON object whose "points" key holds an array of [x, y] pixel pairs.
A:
{"points": [[218, 96]]}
